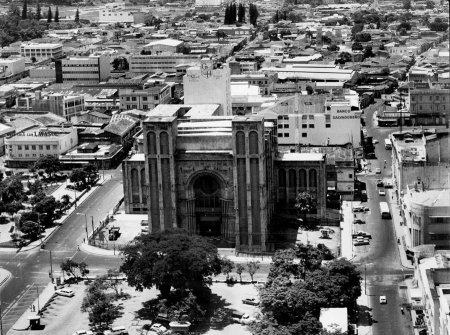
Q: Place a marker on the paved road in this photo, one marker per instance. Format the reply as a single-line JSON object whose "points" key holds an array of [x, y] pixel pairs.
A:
{"points": [[380, 261], [30, 270]]}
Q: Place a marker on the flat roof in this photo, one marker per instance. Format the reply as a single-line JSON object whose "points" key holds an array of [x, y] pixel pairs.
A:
{"points": [[299, 156]]}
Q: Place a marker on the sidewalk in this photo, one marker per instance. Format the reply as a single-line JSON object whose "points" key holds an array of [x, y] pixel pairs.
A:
{"points": [[60, 192], [401, 231], [4, 276], [347, 230], [40, 303]]}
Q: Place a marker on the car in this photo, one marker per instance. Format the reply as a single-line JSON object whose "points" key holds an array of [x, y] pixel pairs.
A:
{"points": [[378, 171], [375, 141], [364, 234], [381, 192], [366, 209], [383, 299], [119, 330], [83, 332], [358, 209], [250, 301], [388, 184], [359, 221], [380, 183], [247, 320], [66, 292], [360, 242], [158, 328]]}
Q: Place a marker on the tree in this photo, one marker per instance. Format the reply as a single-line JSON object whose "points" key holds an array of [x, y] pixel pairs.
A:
{"points": [[100, 307], [56, 15], [305, 204], [35, 187], [357, 46], [252, 268], [120, 64], [220, 34], [430, 4], [404, 25], [24, 10], [282, 265], [310, 258], [407, 4], [438, 25], [333, 47], [69, 267], [77, 16], [276, 17], [358, 27], [170, 259], [241, 13], [49, 15], [368, 52], [65, 200], [227, 266], [345, 57], [38, 11], [239, 270], [226, 19], [49, 163], [48, 209], [11, 189], [31, 229], [309, 90], [253, 14], [381, 47], [79, 177], [363, 37], [83, 269]]}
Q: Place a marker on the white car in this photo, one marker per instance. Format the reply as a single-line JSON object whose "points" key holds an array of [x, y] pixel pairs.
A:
{"points": [[83, 332], [375, 141], [383, 299], [381, 192], [158, 328], [378, 171], [247, 320], [119, 330], [66, 292]]}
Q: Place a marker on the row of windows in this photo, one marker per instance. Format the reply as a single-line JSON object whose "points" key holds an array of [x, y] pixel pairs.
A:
{"points": [[439, 237], [155, 97], [80, 65], [34, 155], [33, 147], [430, 98]]}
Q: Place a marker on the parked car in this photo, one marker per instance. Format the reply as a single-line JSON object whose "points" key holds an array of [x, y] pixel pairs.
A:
{"points": [[247, 320], [381, 192], [375, 141], [388, 184], [378, 171], [119, 330], [383, 299], [158, 328], [83, 332], [363, 234], [361, 241], [359, 221], [66, 292], [380, 183], [358, 209], [250, 301]]}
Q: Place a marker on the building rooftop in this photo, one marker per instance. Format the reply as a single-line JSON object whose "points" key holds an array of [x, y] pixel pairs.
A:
{"points": [[121, 126], [302, 157], [168, 41], [430, 198], [410, 148], [334, 154], [41, 45], [192, 111]]}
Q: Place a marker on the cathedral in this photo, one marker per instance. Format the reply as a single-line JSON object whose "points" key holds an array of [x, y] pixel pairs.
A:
{"points": [[217, 175]]}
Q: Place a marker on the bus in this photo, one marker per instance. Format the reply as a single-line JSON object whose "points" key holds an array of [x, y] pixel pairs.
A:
{"points": [[387, 144], [384, 210]]}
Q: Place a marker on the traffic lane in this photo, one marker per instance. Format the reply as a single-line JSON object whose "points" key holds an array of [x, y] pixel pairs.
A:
{"points": [[102, 263], [98, 205], [388, 318], [382, 248]]}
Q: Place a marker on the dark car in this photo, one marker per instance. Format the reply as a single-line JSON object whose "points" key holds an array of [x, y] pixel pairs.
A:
{"points": [[359, 221], [380, 183], [114, 233]]}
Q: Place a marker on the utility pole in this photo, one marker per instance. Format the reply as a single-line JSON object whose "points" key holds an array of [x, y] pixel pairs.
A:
{"points": [[51, 265], [93, 231], [365, 279], [37, 293]]}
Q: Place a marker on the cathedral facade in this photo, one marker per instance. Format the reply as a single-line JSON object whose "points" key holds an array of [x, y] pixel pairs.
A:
{"points": [[217, 175]]}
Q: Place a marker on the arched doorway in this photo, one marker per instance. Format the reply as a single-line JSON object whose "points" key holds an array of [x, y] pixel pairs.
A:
{"points": [[208, 205]]}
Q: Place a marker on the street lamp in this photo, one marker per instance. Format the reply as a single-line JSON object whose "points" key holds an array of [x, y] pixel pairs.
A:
{"points": [[85, 221]]}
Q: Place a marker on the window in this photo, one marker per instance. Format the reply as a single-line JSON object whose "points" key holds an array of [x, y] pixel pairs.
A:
{"points": [[328, 126], [41, 147], [286, 126], [47, 147], [55, 147], [304, 126], [33, 147], [26, 147], [350, 175], [286, 134], [19, 147], [304, 134], [280, 126], [133, 98], [280, 134], [34, 155], [311, 126], [155, 97], [128, 98], [20, 155], [145, 106], [144, 98]]}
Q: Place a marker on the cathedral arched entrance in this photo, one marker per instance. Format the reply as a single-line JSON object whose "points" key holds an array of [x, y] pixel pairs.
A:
{"points": [[207, 191]]}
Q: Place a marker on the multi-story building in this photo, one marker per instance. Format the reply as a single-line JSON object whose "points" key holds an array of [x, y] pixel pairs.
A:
{"points": [[166, 62], [146, 98], [429, 106], [265, 81], [217, 175], [59, 104], [25, 148], [11, 66], [206, 85], [316, 120], [90, 69], [41, 50]]}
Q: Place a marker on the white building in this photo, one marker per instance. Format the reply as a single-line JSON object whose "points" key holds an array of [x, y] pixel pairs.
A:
{"points": [[315, 120], [90, 69], [115, 13], [166, 62], [11, 66], [41, 50], [206, 85], [26, 147]]}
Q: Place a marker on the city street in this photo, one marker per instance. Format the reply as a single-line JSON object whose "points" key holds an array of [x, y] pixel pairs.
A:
{"points": [[380, 262], [30, 270]]}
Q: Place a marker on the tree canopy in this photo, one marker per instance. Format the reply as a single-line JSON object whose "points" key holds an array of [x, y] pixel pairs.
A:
{"points": [[170, 259], [50, 164]]}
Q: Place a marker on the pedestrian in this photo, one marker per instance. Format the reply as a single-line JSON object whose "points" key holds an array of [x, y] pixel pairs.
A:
{"points": [[78, 247], [34, 309]]}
